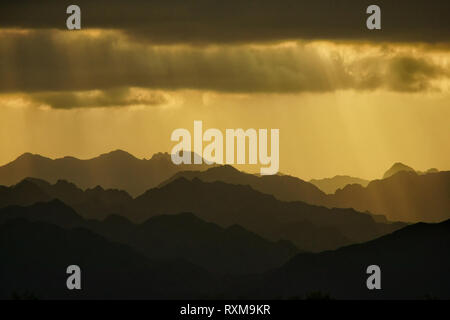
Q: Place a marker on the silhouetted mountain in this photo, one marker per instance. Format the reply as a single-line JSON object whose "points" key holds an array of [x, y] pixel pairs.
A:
{"points": [[183, 236], [114, 170], [96, 203], [414, 263], [405, 196], [227, 204], [330, 185], [35, 255], [309, 227], [397, 167], [55, 212], [228, 251], [283, 187], [24, 193]]}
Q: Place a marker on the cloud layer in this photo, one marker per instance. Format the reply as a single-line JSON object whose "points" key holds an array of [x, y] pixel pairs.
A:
{"points": [[53, 66], [117, 97], [206, 21]]}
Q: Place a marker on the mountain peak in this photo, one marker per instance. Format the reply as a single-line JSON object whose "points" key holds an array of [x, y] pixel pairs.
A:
{"points": [[397, 167], [117, 154], [27, 156]]}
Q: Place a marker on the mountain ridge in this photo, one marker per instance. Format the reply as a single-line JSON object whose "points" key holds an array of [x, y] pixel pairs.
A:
{"points": [[117, 169]]}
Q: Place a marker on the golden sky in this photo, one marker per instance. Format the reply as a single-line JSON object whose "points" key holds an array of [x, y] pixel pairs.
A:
{"points": [[343, 106]]}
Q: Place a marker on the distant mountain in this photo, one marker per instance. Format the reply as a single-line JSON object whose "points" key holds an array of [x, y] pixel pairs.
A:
{"points": [[24, 193], [35, 255], [397, 167], [115, 170], [414, 264], [54, 212], [95, 203], [330, 185], [283, 187], [405, 196], [227, 204], [233, 250], [224, 204]]}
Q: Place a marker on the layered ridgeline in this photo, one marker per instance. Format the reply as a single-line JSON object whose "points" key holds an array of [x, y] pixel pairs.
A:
{"points": [[231, 250], [117, 169], [330, 185], [247, 228], [414, 263], [309, 227], [35, 255], [403, 196]]}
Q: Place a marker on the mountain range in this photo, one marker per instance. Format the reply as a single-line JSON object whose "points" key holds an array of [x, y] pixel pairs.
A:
{"points": [[405, 196], [35, 255], [330, 185], [114, 170], [309, 227], [414, 265], [217, 232], [231, 250]]}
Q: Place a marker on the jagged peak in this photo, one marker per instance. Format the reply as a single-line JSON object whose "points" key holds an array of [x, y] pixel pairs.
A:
{"points": [[397, 167]]}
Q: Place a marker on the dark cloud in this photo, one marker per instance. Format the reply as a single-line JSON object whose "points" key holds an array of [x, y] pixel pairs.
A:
{"points": [[117, 97], [209, 21], [408, 74], [49, 61]]}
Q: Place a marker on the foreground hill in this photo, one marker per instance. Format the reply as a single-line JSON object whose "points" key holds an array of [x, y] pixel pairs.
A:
{"points": [[414, 264], [115, 170], [233, 250], [35, 256]]}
